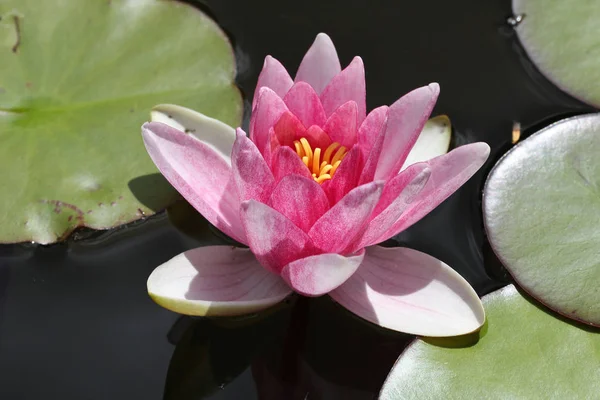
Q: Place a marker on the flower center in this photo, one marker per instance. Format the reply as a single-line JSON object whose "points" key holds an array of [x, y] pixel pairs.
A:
{"points": [[321, 165]]}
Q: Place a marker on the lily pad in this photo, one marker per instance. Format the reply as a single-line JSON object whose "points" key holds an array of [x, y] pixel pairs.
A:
{"points": [[542, 216], [561, 38], [526, 353], [77, 80]]}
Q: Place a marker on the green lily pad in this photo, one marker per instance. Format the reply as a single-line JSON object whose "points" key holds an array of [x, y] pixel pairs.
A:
{"points": [[77, 80], [542, 216], [526, 353], [561, 38]]}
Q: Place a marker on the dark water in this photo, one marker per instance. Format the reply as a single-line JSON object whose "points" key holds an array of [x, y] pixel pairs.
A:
{"points": [[76, 322]]}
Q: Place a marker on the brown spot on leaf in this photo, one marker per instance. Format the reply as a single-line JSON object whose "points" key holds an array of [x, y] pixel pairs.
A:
{"points": [[17, 23], [59, 206]]}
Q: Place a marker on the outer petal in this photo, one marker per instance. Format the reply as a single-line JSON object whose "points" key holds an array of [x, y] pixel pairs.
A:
{"points": [[215, 280], [304, 103], [406, 119], [212, 132], [335, 230], [397, 196], [341, 125], [371, 127], [320, 64], [372, 156], [448, 173], [286, 162], [275, 77], [409, 291], [320, 274], [273, 238], [347, 85], [252, 175], [269, 109], [199, 173], [300, 199]]}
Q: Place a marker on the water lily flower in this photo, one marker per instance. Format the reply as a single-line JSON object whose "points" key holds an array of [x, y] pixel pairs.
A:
{"points": [[312, 191]]}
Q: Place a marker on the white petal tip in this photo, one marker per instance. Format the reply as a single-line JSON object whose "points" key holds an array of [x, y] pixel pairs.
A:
{"points": [[323, 37], [435, 87]]}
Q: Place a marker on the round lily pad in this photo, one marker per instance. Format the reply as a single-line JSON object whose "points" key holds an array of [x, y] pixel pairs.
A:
{"points": [[561, 38], [542, 215], [77, 80], [525, 353]]}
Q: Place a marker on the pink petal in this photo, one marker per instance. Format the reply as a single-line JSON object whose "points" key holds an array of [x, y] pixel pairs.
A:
{"points": [[448, 173], [346, 177], [413, 178], [320, 274], [397, 196], [304, 103], [270, 147], [320, 64], [317, 137], [347, 85], [215, 281], [288, 129], [199, 173], [274, 239], [275, 77], [409, 291], [268, 111], [251, 173], [341, 125], [300, 199], [406, 119], [371, 127], [213, 132], [286, 162], [339, 226], [372, 158]]}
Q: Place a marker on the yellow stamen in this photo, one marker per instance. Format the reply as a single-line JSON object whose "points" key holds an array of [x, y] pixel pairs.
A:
{"points": [[315, 163], [298, 147], [338, 155], [335, 166], [307, 150], [325, 169], [323, 178], [329, 151], [321, 166]]}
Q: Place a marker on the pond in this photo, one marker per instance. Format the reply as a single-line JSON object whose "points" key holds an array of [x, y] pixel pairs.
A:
{"points": [[76, 321]]}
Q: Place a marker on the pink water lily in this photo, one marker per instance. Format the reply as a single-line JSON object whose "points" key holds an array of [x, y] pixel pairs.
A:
{"points": [[312, 191]]}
